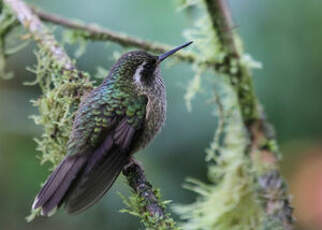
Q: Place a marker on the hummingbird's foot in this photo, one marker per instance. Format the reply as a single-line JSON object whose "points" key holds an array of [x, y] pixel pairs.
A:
{"points": [[132, 161]]}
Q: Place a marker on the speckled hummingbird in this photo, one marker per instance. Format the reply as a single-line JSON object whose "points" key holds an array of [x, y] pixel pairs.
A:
{"points": [[113, 121]]}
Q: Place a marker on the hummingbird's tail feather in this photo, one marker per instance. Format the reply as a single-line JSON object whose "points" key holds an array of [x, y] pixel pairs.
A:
{"points": [[52, 193], [81, 180], [90, 187]]}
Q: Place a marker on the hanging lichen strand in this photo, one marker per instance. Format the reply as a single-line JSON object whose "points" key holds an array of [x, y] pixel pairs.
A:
{"points": [[229, 200], [245, 192], [61, 94], [206, 42]]}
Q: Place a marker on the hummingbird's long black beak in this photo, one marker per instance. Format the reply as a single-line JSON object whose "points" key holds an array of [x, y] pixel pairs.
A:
{"points": [[167, 54]]}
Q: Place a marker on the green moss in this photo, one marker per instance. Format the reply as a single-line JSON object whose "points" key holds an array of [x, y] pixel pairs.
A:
{"points": [[243, 85], [61, 94], [136, 207], [272, 224]]}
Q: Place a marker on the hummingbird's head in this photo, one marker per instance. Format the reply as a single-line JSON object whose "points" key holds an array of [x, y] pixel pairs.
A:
{"points": [[142, 68]]}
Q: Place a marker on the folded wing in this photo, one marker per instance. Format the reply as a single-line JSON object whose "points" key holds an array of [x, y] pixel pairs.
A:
{"points": [[98, 150]]}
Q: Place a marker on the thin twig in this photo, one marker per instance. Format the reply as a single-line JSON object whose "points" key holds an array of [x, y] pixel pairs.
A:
{"points": [[95, 32], [273, 191]]}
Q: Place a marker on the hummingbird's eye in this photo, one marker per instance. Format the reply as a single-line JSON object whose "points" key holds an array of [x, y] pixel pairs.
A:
{"points": [[150, 65]]}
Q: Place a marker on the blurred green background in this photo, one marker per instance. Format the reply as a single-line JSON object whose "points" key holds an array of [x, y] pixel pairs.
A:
{"points": [[286, 36]]}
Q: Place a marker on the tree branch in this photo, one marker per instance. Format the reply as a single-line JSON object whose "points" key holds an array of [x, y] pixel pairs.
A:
{"points": [[263, 148], [240, 78], [39, 32], [157, 219], [151, 205], [222, 22], [137, 180], [96, 33]]}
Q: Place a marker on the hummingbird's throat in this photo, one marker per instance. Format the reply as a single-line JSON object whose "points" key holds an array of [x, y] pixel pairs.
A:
{"points": [[138, 74]]}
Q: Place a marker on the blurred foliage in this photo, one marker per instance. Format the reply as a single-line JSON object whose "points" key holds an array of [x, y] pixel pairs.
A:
{"points": [[284, 35], [7, 23]]}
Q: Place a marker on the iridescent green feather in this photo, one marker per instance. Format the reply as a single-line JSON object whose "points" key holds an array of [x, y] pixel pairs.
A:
{"points": [[100, 111]]}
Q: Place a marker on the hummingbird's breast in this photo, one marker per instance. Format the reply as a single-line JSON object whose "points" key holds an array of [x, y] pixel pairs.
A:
{"points": [[155, 113]]}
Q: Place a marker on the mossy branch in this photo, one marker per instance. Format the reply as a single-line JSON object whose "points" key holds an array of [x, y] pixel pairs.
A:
{"points": [[61, 83], [97, 33], [63, 86], [39, 32], [146, 204], [222, 22], [262, 148]]}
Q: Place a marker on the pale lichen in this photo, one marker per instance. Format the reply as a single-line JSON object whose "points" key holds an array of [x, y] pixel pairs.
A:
{"points": [[184, 4], [229, 201], [205, 39], [194, 86], [7, 23], [207, 44]]}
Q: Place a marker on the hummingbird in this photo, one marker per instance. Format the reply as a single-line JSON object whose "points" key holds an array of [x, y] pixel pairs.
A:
{"points": [[113, 121]]}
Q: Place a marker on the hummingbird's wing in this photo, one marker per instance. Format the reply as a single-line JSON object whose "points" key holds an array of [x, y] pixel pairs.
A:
{"points": [[105, 126]]}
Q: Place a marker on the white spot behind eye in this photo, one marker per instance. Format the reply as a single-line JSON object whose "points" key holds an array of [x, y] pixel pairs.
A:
{"points": [[137, 74]]}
